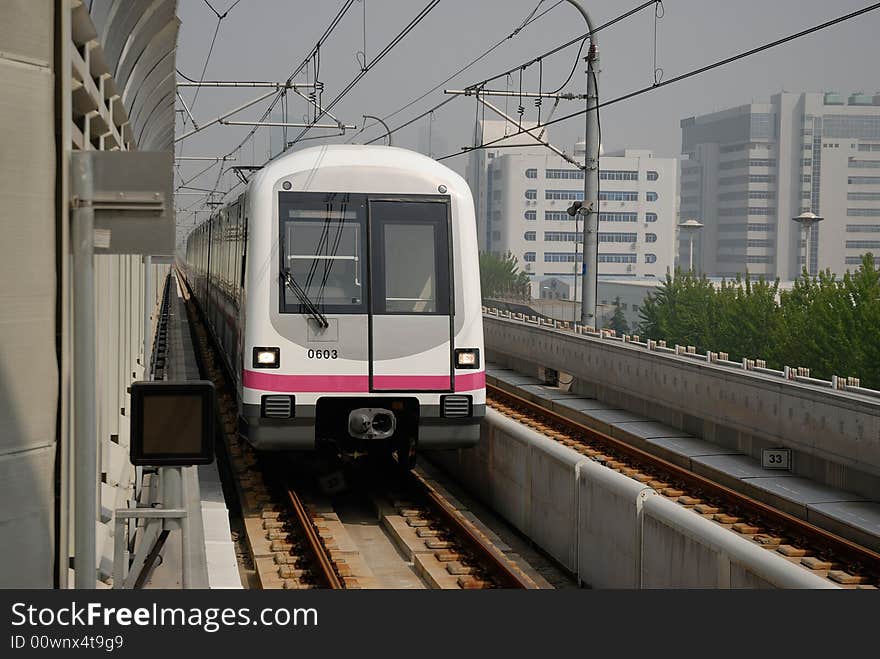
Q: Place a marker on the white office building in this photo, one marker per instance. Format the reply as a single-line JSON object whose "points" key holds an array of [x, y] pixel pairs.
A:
{"points": [[750, 169], [522, 202]]}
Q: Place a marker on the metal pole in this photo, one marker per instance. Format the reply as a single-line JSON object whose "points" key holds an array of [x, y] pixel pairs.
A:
{"points": [[691, 250], [148, 308], [807, 249], [590, 208], [224, 116], [172, 497], [85, 457]]}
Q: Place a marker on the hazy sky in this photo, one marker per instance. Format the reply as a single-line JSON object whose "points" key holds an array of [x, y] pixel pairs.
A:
{"points": [[267, 39]]}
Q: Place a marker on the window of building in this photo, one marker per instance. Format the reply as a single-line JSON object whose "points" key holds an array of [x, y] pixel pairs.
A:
{"points": [[863, 228], [564, 236], [496, 235], [863, 244], [618, 217], [496, 194], [611, 195], [531, 194], [530, 236], [869, 147], [557, 216], [865, 164], [532, 173], [807, 162], [564, 257], [650, 258], [618, 175], [864, 127], [531, 215], [529, 257], [650, 237], [650, 217], [617, 237], [617, 258], [857, 260], [863, 180], [652, 175], [652, 196], [568, 174], [762, 178], [762, 162], [570, 195], [863, 212], [863, 196]]}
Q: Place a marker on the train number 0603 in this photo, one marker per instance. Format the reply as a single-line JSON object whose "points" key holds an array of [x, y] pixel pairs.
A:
{"points": [[323, 354]]}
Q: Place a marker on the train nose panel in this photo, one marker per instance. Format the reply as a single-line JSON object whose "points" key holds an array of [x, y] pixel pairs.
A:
{"points": [[371, 423]]}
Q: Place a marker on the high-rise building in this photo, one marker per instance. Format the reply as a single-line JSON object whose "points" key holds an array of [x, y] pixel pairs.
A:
{"points": [[523, 206], [478, 176], [750, 169]]}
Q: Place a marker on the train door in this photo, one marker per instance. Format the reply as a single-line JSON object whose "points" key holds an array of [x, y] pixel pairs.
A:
{"points": [[410, 295]]}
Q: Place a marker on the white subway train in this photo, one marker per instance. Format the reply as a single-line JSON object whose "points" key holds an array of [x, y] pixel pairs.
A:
{"points": [[343, 289]]}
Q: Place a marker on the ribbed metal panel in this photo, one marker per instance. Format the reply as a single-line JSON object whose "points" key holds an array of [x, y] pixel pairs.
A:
{"points": [[277, 407], [456, 407]]}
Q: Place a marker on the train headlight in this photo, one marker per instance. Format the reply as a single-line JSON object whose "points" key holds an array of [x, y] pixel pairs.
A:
{"points": [[267, 357], [467, 358]]}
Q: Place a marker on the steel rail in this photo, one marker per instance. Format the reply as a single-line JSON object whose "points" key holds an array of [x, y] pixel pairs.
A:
{"points": [[315, 544], [503, 571], [860, 558]]}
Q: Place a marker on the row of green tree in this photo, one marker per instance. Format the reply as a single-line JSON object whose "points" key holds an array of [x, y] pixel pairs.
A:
{"points": [[827, 323], [500, 277]]}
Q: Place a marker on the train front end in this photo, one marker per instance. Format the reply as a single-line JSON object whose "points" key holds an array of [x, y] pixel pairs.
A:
{"points": [[364, 325]]}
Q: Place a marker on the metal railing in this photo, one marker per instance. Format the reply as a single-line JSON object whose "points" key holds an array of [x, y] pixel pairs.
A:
{"points": [[797, 374]]}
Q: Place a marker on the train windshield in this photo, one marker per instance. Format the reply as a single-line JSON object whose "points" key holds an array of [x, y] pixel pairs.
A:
{"points": [[322, 249], [324, 254]]}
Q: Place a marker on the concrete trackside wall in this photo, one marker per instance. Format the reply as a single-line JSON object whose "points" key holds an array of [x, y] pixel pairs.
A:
{"points": [[28, 367], [608, 530], [834, 435]]}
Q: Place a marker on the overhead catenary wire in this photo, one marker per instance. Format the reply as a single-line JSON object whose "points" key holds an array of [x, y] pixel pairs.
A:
{"points": [[525, 23], [688, 74], [323, 38], [378, 58], [555, 50], [534, 17]]}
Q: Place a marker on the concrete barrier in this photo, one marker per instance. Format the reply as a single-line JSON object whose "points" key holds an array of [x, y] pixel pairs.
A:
{"points": [[609, 527], [553, 504], [508, 474], [681, 549]]}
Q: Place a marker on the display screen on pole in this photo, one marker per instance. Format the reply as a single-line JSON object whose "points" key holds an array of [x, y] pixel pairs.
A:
{"points": [[172, 423]]}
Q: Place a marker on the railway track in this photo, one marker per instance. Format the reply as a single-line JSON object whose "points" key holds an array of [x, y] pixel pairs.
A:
{"points": [[825, 554], [294, 536]]}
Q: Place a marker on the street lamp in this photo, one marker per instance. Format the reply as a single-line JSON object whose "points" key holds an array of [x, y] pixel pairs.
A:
{"points": [[807, 220], [690, 227]]}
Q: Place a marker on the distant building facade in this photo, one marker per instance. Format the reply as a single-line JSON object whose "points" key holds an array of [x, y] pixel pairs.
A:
{"points": [[748, 170], [524, 196]]}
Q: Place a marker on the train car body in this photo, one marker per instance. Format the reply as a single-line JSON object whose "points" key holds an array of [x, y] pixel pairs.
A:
{"points": [[343, 288]]}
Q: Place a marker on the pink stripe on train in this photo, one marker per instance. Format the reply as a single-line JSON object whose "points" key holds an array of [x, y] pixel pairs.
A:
{"points": [[358, 383]]}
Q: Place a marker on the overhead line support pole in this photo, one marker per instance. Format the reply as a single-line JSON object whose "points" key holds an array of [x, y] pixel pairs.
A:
{"points": [[590, 208]]}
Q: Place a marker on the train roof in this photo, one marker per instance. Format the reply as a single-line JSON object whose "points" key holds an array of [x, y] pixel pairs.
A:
{"points": [[354, 155]]}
